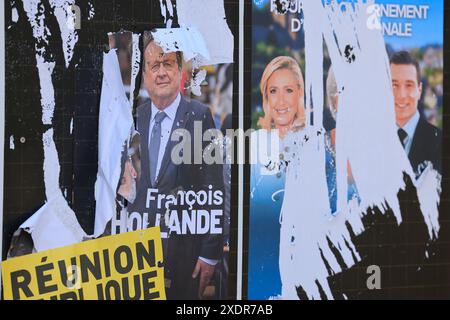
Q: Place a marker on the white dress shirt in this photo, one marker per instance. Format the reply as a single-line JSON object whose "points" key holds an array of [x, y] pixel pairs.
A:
{"points": [[410, 129], [166, 128]]}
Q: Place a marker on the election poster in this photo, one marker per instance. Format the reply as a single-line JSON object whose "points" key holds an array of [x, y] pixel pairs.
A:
{"points": [[114, 160], [345, 186], [123, 267]]}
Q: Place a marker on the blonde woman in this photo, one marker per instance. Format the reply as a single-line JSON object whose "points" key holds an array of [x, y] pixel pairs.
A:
{"points": [[282, 90]]}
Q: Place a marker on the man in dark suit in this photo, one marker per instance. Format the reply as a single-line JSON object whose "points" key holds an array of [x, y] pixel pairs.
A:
{"points": [[421, 140], [189, 259]]}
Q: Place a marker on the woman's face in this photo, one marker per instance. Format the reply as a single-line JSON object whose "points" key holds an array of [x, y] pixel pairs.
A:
{"points": [[283, 96]]}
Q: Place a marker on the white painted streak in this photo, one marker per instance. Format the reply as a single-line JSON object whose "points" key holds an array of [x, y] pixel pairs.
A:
{"points": [[69, 34], [115, 125], [55, 224], [240, 232], [2, 119], [91, 11]]}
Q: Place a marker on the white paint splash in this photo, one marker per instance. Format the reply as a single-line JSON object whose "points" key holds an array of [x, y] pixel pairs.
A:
{"points": [[69, 34], [135, 65], [312, 241], [204, 41], [12, 146]]}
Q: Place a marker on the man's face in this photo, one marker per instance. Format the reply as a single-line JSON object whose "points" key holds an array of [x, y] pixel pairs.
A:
{"points": [[162, 75], [406, 90]]}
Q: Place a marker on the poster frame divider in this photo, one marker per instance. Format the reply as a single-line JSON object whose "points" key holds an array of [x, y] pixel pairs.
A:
{"points": [[2, 122]]}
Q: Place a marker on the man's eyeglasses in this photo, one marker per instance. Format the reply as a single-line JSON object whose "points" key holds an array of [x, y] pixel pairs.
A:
{"points": [[168, 65]]}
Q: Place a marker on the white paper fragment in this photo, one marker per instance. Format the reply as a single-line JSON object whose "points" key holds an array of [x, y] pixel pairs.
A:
{"points": [[135, 65], [188, 40], [71, 125], [208, 16], [14, 15], [11, 142], [166, 7], [196, 82], [115, 124], [69, 34], [54, 225]]}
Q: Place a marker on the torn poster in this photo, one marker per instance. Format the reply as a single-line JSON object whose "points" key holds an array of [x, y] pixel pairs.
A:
{"points": [[82, 160], [358, 172]]}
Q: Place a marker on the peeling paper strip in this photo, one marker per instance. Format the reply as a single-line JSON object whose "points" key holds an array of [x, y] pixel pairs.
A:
{"points": [[69, 36], [115, 125]]}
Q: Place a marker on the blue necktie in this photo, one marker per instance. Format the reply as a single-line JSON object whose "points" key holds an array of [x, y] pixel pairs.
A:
{"points": [[155, 141]]}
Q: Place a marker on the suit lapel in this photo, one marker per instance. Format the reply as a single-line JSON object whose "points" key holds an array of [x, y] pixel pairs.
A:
{"points": [[144, 127], [416, 145], [180, 121]]}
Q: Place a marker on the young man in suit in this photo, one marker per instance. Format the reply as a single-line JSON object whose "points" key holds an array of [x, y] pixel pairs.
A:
{"points": [[421, 140]]}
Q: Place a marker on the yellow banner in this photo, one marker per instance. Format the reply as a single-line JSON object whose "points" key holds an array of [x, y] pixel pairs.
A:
{"points": [[124, 266]]}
